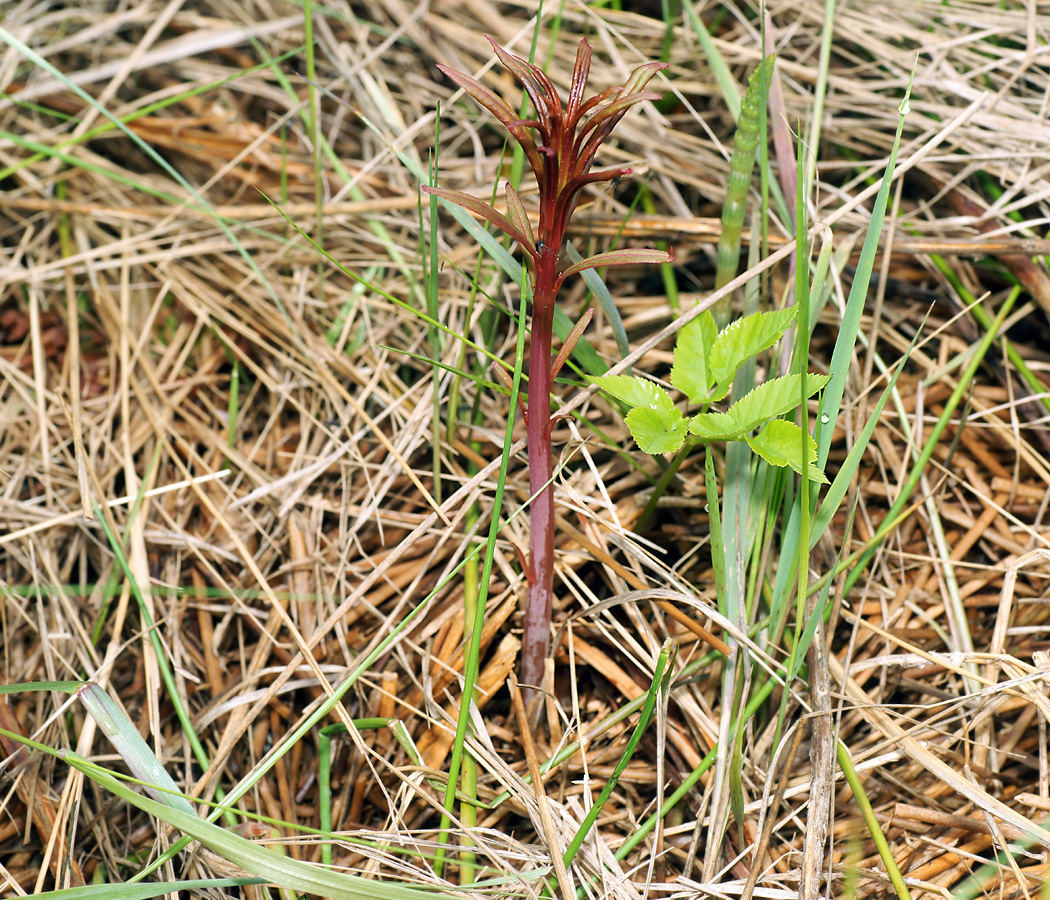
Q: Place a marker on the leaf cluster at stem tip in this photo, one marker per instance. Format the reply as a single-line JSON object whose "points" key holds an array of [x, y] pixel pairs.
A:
{"points": [[560, 143]]}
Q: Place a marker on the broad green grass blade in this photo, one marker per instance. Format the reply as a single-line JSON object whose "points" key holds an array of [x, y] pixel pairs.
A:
{"points": [[321, 712], [181, 713], [66, 687], [737, 537], [131, 746], [276, 868], [718, 550], [758, 698]]}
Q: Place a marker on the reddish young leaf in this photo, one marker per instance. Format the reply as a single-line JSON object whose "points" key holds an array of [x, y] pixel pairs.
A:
{"points": [[627, 257], [496, 105], [616, 109], [601, 124], [595, 101], [593, 177], [571, 341], [641, 76], [487, 212], [580, 73], [486, 98], [517, 214], [537, 85]]}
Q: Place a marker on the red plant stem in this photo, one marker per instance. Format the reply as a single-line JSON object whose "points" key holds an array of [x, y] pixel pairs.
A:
{"points": [[539, 599]]}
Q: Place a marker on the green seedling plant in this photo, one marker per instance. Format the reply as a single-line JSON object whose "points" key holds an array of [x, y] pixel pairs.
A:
{"points": [[560, 144], [705, 363], [749, 114]]}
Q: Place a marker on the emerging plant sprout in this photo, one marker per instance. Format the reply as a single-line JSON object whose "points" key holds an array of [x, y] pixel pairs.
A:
{"points": [[560, 144]]}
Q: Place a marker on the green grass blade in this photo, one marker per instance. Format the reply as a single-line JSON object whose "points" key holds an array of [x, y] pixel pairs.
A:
{"points": [[758, 698], [731, 92], [131, 746], [276, 868], [202, 203], [820, 91], [431, 284], [66, 687], [1016, 360], [836, 492], [167, 676], [831, 402], [874, 828], [321, 712], [149, 110]]}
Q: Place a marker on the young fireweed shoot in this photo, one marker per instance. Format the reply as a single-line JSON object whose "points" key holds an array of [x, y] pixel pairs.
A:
{"points": [[560, 143]]}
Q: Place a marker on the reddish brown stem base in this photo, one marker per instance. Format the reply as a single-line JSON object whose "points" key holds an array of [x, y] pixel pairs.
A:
{"points": [[540, 596]]}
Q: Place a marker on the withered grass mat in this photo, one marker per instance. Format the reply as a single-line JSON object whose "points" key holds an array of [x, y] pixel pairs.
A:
{"points": [[263, 433]]}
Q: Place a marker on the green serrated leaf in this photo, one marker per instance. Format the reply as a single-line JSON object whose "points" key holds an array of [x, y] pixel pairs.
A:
{"points": [[774, 398], [780, 444], [743, 339], [657, 431], [719, 392], [637, 392], [690, 372], [714, 427]]}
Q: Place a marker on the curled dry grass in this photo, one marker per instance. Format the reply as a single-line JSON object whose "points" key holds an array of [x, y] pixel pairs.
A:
{"points": [[263, 446]]}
